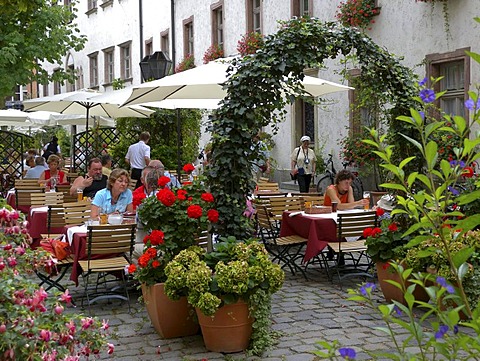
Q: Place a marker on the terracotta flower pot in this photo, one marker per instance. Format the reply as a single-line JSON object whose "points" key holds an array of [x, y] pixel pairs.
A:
{"points": [[169, 318], [391, 292], [228, 330]]}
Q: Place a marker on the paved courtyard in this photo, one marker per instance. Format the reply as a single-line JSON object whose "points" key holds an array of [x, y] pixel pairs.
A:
{"points": [[303, 312]]}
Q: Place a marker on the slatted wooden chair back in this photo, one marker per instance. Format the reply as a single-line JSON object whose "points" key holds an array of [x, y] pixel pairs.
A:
{"points": [[263, 180], [277, 205], [46, 199], [28, 183], [24, 188], [65, 189], [352, 224], [111, 239], [55, 217], [76, 212], [71, 176], [204, 240], [132, 184], [314, 200], [268, 187]]}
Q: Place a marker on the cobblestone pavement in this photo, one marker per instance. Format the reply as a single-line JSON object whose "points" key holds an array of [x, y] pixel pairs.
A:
{"points": [[303, 312]]}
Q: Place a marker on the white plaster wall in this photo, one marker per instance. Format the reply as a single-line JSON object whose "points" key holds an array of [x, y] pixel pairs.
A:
{"points": [[404, 27]]}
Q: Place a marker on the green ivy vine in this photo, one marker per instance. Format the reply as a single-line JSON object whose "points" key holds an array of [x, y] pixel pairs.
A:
{"points": [[256, 99]]}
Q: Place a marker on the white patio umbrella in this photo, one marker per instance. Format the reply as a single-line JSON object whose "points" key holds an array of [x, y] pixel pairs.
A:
{"points": [[14, 118], [206, 82]]}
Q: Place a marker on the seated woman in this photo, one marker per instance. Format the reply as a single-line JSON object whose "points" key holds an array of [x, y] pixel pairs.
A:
{"points": [[342, 192], [116, 198], [53, 172]]}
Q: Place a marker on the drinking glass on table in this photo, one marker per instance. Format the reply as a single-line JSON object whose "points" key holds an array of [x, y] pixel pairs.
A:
{"points": [[366, 195], [79, 194]]}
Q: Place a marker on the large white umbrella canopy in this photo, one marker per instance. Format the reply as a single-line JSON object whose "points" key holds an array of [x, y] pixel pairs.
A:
{"points": [[14, 118], [206, 82], [81, 102]]}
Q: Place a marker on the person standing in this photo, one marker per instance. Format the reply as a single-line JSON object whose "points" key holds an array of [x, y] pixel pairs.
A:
{"points": [[52, 148], [106, 165], [303, 162], [138, 157]]}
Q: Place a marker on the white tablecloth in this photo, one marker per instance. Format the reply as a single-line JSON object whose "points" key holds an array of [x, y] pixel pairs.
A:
{"points": [[72, 230]]}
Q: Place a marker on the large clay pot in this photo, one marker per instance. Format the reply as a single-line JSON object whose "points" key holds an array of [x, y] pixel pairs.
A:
{"points": [[228, 330], [169, 318], [392, 293]]}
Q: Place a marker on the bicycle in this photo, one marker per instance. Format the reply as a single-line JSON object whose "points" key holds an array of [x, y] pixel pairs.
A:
{"points": [[328, 178]]}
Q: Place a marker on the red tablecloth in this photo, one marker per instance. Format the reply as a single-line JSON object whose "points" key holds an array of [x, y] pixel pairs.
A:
{"points": [[38, 223], [318, 231]]}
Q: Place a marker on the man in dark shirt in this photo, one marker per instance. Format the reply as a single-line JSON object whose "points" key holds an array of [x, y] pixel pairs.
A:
{"points": [[93, 181]]}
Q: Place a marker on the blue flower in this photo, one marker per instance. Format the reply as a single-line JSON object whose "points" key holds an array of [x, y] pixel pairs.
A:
{"points": [[442, 330], [427, 95], [454, 191], [455, 329], [366, 288], [347, 353], [470, 104], [454, 163], [423, 82], [397, 310], [443, 282]]}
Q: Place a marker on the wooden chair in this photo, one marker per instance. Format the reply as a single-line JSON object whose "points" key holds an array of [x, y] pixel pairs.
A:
{"points": [[46, 199], [23, 190], [76, 213], [267, 187], [375, 197], [349, 258], [285, 250], [314, 200], [65, 189], [277, 205], [115, 244], [132, 184], [71, 176]]}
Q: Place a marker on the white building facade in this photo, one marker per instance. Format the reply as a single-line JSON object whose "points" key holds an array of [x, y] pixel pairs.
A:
{"points": [[121, 32]]}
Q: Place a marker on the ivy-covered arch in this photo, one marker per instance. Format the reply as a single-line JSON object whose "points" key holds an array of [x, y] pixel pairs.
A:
{"points": [[257, 91]]}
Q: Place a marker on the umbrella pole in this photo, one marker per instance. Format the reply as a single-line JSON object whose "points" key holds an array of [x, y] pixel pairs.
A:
{"points": [[179, 145], [86, 139]]}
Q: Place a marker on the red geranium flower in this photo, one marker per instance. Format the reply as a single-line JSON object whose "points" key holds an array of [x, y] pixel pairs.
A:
{"points": [[393, 227], [182, 194], [467, 172], [163, 181], [380, 212], [194, 211], [132, 268], [155, 264], [166, 196], [207, 197], [367, 232], [156, 237], [143, 260], [138, 197], [212, 215], [188, 168]]}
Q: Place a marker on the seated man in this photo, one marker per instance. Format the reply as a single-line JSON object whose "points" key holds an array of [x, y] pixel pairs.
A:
{"points": [[141, 192], [93, 181], [174, 182], [38, 169]]}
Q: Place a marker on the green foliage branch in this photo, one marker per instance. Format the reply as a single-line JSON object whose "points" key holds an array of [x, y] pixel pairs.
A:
{"points": [[300, 43], [32, 33]]}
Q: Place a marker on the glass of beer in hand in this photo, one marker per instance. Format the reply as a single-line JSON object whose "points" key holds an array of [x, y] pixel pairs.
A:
{"points": [[366, 195]]}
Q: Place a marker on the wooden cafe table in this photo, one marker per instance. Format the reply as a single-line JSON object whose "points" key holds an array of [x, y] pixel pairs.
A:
{"points": [[318, 229]]}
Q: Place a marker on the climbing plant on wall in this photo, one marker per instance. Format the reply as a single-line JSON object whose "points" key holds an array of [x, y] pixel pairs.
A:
{"points": [[257, 91]]}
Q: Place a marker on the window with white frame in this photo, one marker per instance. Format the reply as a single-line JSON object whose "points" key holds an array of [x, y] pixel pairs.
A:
{"points": [[45, 90], [71, 85], [57, 86], [93, 67], [126, 60], [109, 56]]}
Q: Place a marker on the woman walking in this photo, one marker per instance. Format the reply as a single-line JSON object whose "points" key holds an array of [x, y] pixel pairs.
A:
{"points": [[303, 164]]}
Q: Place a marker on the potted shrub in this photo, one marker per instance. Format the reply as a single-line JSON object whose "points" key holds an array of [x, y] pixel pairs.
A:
{"points": [[33, 324], [174, 219], [235, 276], [386, 244], [187, 63]]}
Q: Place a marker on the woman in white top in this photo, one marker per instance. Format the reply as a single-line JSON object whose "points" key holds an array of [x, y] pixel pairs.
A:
{"points": [[303, 164]]}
